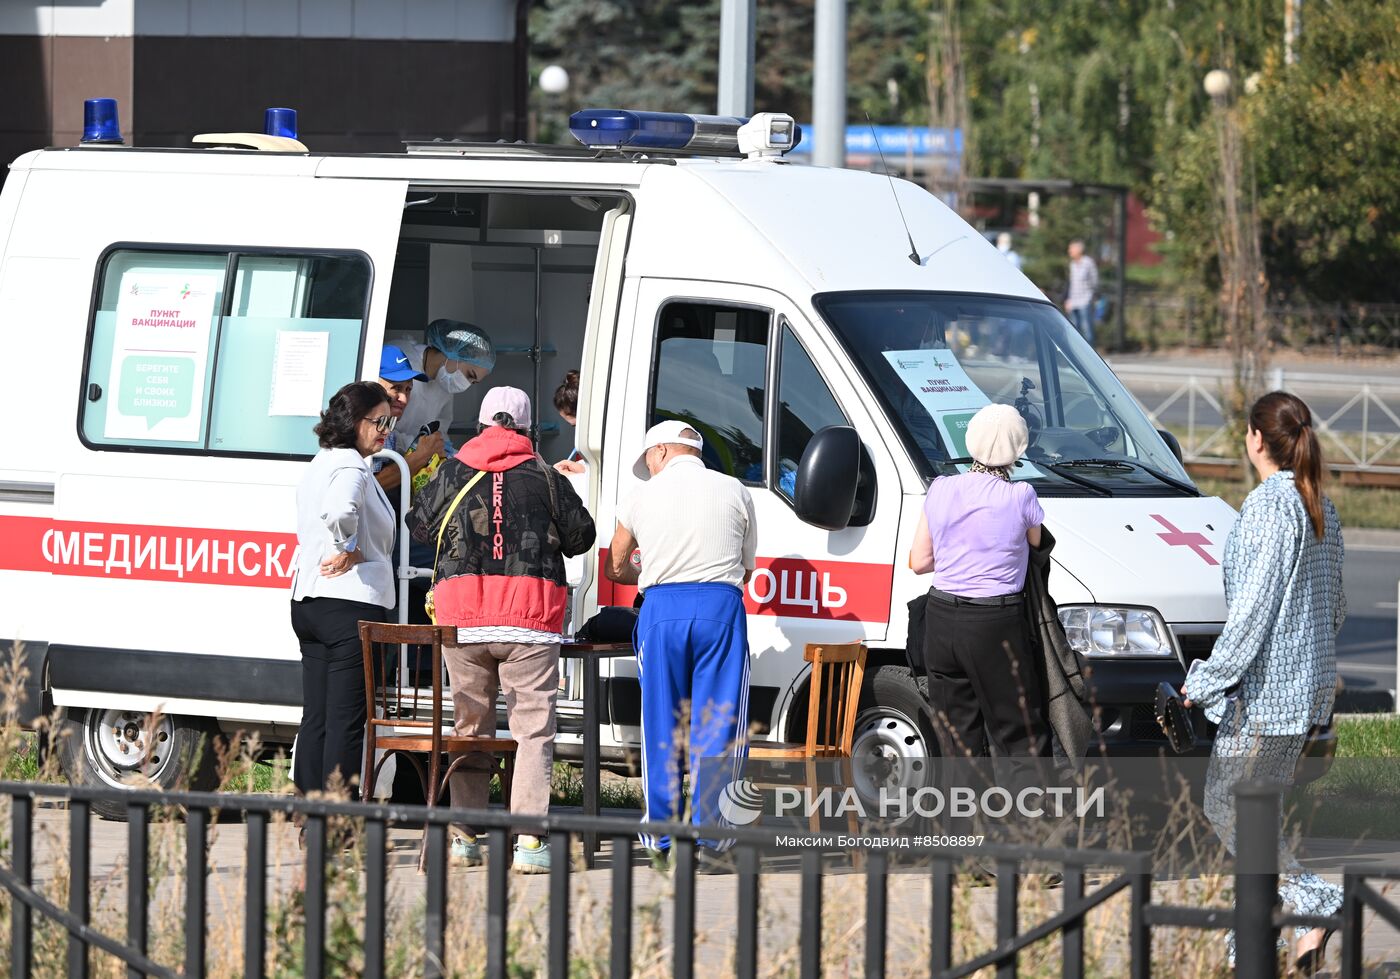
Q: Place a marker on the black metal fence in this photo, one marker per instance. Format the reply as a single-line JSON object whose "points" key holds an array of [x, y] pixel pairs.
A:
{"points": [[1256, 917]]}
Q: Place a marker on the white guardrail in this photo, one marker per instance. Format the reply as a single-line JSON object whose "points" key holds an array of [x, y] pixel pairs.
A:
{"points": [[1356, 418]]}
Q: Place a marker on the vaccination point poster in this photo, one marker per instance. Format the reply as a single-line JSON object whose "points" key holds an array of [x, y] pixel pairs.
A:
{"points": [[160, 350]]}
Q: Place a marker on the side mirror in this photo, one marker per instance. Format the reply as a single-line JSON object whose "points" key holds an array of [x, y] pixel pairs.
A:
{"points": [[827, 477], [1172, 443]]}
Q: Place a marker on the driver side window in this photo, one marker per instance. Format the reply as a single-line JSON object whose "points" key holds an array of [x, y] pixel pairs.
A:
{"points": [[710, 371], [805, 406]]}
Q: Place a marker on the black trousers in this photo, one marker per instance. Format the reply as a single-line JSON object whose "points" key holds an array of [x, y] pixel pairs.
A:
{"points": [[983, 683], [332, 734]]}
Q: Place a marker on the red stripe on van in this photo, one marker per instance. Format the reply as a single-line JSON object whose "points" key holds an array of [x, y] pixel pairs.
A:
{"points": [[140, 552], [796, 588]]}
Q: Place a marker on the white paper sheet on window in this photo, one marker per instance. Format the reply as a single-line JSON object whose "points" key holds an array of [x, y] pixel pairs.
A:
{"points": [[299, 373]]}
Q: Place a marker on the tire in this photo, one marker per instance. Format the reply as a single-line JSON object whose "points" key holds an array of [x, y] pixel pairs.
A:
{"points": [[180, 755], [894, 743]]}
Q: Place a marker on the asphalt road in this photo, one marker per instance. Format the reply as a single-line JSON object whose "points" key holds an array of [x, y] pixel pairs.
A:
{"points": [[1366, 646]]}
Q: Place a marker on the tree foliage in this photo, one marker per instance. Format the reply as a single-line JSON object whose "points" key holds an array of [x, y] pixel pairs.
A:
{"points": [[1105, 91]]}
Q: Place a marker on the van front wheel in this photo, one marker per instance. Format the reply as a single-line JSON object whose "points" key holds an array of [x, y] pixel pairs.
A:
{"points": [[894, 744], [123, 749]]}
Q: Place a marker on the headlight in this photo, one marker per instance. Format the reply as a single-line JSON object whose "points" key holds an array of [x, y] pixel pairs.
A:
{"points": [[1100, 630]]}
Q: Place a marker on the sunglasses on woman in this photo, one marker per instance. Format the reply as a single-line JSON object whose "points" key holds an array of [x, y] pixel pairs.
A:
{"points": [[385, 423]]}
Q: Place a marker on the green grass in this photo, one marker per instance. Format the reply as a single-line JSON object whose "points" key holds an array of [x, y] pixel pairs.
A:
{"points": [[1357, 506], [22, 765], [1359, 797], [614, 793], [1369, 737]]}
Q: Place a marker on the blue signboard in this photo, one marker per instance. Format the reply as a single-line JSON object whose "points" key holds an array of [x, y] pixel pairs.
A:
{"points": [[900, 141]]}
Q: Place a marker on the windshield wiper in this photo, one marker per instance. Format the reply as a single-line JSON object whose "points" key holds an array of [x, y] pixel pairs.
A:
{"points": [[1185, 488], [1058, 469], [1069, 477]]}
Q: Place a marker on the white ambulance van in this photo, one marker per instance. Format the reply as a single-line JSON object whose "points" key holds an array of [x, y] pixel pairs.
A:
{"points": [[171, 320]]}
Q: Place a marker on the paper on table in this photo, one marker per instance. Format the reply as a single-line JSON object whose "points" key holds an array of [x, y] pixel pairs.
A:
{"points": [[299, 373]]}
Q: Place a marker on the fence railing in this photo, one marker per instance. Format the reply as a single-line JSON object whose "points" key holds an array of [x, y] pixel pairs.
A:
{"points": [[1356, 419], [1255, 917]]}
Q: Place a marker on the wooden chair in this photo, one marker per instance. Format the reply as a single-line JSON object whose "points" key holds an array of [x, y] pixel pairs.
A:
{"points": [[398, 709], [833, 695]]}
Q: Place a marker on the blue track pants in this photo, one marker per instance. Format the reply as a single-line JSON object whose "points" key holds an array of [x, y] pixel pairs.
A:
{"points": [[693, 657]]}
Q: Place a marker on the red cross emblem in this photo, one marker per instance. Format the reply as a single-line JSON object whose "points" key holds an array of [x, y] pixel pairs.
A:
{"points": [[1179, 538]]}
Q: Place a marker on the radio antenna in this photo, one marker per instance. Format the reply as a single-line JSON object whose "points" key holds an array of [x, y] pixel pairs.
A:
{"points": [[913, 252]]}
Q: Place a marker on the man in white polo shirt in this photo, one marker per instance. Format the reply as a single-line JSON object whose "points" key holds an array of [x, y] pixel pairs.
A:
{"points": [[697, 535]]}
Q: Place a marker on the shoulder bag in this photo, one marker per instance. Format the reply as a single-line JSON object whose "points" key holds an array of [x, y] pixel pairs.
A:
{"points": [[428, 605]]}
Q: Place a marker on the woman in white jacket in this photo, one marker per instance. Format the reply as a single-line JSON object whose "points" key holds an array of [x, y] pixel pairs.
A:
{"points": [[344, 575]]}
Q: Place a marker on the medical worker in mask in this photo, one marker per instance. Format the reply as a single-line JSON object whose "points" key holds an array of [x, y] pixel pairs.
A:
{"points": [[455, 356]]}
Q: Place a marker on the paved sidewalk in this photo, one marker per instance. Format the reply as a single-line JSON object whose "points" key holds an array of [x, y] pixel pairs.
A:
{"points": [[1357, 538], [781, 922], [1380, 368]]}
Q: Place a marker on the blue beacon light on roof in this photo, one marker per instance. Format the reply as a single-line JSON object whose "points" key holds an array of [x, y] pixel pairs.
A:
{"points": [[100, 121], [618, 128], [280, 122]]}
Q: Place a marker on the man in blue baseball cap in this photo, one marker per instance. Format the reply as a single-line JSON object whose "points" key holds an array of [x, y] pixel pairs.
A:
{"points": [[396, 376]]}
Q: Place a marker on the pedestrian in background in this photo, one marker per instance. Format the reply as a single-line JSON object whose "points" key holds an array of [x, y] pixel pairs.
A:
{"points": [[507, 521], [1008, 252], [698, 538], [975, 534], [1272, 675], [344, 575], [1083, 284]]}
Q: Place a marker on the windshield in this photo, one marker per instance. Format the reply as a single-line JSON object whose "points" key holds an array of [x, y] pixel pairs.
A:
{"points": [[934, 359]]}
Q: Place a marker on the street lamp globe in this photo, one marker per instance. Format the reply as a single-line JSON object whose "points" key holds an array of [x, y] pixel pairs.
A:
{"points": [[554, 80], [1217, 84]]}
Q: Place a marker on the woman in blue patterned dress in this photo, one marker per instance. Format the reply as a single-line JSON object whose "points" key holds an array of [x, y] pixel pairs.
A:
{"points": [[1273, 672]]}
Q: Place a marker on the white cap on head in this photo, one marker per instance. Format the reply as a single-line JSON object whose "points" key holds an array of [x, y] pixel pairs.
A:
{"points": [[512, 401], [664, 433], [997, 436]]}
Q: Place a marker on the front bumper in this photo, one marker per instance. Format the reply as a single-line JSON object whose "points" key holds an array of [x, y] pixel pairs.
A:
{"points": [[1121, 695]]}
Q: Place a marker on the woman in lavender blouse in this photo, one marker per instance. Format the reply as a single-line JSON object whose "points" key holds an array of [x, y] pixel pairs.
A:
{"points": [[975, 536]]}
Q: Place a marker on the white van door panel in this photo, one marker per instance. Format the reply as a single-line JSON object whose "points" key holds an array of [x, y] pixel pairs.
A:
{"points": [[191, 551], [745, 366]]}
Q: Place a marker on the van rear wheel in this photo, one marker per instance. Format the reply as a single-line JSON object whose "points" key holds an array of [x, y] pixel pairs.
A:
{"points": [[125, 749], [894, 744]]}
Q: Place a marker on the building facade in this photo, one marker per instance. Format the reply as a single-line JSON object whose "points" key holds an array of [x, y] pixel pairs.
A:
{"points": [[364, 75]]}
